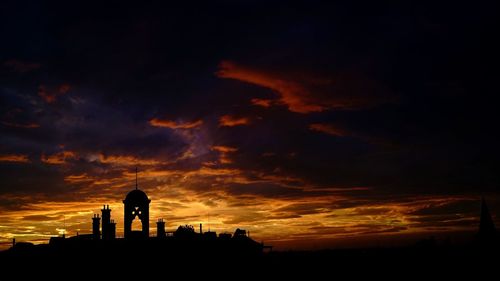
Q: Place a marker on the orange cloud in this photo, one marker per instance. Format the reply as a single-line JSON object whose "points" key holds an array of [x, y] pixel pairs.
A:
{"points": [[294, 95], [306, 93], [126, 160], [50, 95], [328, 129], [155, 122], [231, 121], [58, 158], [77, 178], [261, 102], [17, 158], [224, 149]]}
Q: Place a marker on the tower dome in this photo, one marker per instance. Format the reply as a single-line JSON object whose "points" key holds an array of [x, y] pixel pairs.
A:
{"points": [[136, 195]]}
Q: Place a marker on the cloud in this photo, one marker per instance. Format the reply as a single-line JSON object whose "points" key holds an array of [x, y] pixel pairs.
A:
{"points": [[50, 95], [261, 102], [231, 121], [18, 118], [306, 93], [224, 149], [20, 66], [328, 129], [155, 122], [291, 93], [19, 125], [78, 178], [126, 160], [16, 158], [58, 158]]}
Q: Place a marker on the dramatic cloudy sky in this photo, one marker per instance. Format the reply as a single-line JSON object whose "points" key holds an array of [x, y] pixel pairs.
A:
{"points": [[306, 124]]}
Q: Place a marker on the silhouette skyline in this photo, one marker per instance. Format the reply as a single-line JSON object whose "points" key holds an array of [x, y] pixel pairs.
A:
{"points": [[310, 125]]}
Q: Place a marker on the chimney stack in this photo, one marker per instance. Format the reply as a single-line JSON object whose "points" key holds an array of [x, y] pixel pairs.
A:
{"points": [[96, 221], [160, 228]]}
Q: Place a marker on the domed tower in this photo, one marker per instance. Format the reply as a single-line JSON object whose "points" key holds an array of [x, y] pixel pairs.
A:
{"points": [[136, 206]]}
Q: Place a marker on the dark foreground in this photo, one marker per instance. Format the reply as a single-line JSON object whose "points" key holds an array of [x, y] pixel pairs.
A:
{"points": [[127, 260]]}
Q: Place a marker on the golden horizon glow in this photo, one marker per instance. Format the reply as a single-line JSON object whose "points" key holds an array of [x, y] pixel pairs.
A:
{"points": [[176, 198]]}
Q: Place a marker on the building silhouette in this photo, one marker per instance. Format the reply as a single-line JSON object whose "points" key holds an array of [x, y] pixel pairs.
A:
{"points": [[136, 206]]}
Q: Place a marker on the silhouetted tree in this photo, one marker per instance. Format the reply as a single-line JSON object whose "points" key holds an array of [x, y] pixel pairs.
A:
{"points": [[184, 231], [240, 233]]}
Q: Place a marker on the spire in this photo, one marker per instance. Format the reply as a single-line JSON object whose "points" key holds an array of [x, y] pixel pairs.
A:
{"points": [[136, 177], [486, 225]]}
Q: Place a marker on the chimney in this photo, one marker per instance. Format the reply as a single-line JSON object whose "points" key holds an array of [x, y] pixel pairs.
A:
{"points": [[96, 221], [201, 228], [160, 228]]}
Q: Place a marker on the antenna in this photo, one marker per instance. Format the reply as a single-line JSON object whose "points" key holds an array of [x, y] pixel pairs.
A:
{"points": [[136, 177]]}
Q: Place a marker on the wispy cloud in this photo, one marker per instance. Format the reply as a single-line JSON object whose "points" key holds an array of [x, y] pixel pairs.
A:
{"points": [[291, 93], [231, 121], [224, 153], [156, 122], [261, 102], [58, 158], [126, 160], [17, 158], [306, 93], [328, 129]]}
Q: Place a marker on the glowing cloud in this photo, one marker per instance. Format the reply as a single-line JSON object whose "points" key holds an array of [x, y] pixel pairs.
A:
{"points": [[17, 158], [155, 122], [59, 158], [231, 121], [294, 95], [307, 93], [328, 129], [261, 102], [126, 160], [224, 151]]}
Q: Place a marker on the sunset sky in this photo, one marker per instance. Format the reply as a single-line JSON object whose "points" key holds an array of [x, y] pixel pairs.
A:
{"points": [[308, 124]]}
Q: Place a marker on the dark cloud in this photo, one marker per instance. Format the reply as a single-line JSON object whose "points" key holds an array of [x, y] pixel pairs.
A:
{"points": [[20, 66]]}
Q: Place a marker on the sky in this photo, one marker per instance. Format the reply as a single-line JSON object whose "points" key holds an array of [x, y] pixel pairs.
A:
{"points": [[310, 124]]}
